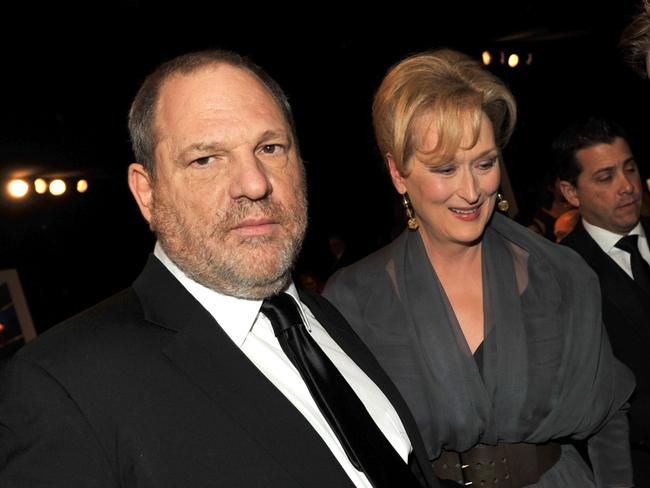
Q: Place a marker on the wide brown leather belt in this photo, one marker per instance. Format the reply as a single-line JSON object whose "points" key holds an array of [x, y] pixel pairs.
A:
{"points": [[502, 466]]}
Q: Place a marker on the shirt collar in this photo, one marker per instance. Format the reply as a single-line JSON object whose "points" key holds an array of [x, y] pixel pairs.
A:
{"points": [[607, 239], [236, 316]]}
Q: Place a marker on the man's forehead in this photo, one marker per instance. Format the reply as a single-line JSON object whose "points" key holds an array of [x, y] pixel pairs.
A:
{"points": [[604, 154], [218, 91], [221, 84]]}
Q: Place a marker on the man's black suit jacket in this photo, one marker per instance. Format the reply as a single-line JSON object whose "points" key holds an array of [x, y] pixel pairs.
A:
{"points": [[146, 390], [626, 313]]}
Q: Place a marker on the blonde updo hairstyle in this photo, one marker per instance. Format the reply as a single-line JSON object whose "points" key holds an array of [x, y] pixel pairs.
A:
{"points": [[451, 87]]}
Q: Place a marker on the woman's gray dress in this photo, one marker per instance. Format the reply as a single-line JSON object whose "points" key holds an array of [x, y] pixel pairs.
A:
{"points": [[548, 371]]}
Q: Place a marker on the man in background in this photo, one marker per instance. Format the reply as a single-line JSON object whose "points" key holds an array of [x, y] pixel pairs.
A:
{"points": [[601, 178]]}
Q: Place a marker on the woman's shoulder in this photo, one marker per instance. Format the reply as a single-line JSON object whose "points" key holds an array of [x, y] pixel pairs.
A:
{"points": [[365, 275], [374, 263], [541, 251]]}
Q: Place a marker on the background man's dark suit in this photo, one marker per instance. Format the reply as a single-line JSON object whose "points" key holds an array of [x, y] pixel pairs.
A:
{"points": [[626, 313], [146, 390]]}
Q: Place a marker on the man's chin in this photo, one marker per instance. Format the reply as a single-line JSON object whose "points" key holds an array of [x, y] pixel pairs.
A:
{"points": [[254, 272], [251, 286], [625, 226], [260, 291]]}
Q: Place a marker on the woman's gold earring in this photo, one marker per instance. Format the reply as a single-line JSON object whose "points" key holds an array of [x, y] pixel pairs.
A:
{"points": [[410, 214], [502, 203]]}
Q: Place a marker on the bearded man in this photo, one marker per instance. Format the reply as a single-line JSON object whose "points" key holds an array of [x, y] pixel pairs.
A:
{"points": [[212, 369]]}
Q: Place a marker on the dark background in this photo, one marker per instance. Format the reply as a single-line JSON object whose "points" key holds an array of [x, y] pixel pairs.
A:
{"points": [[68, 74]]}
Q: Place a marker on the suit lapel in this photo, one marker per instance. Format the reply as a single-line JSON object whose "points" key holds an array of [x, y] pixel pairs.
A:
{"points": [[621, 291], [209, 359]]}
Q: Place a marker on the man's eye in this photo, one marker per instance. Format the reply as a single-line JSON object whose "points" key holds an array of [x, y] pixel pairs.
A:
{"points": [[203, 161], [271, 148]]}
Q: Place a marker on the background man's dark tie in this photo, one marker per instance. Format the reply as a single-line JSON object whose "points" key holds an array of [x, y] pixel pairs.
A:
{"points": [[366, 446], [640, 268]]}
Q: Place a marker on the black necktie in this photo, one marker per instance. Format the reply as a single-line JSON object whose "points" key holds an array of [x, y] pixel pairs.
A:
{"points": [[366, 446], [640, 268]]}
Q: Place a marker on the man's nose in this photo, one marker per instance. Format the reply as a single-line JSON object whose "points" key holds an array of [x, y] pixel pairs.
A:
{"points": [[628, 182], [249, 178]]}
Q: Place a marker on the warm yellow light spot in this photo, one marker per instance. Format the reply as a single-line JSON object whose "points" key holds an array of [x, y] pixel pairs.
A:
{"points": [[513, 60], [82, 186], [487, 57], [17, 188], [57, 187], [529, 59], [40, 186]]}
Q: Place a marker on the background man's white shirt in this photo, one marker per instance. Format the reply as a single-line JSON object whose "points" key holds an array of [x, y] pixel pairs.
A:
{"points": [[607, 240]]}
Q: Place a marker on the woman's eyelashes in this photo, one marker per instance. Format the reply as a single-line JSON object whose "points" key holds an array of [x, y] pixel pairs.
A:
{"points": [[487, 164], [450, 169], [445, 170]]}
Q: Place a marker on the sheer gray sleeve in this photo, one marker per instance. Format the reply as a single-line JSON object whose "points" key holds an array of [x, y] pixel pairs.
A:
{"points": [[609, 452]]}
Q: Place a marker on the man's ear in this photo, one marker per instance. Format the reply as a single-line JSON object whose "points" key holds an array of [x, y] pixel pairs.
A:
{"points": [[141, 186], [395, 176], [570, 193]]}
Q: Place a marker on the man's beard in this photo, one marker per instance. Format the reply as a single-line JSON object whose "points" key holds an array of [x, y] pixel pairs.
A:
{"points": [[250, 267]]}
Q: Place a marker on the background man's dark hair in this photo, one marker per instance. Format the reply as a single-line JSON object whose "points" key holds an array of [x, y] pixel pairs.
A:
{"points": [[581, 135], [143, 109]]}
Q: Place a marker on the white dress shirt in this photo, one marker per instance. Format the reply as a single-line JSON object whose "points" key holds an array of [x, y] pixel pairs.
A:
{"points": [[252, 332], [607, 240]]}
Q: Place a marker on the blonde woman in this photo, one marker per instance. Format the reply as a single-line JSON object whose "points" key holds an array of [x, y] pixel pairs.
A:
{"points": [[492, 333]]}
